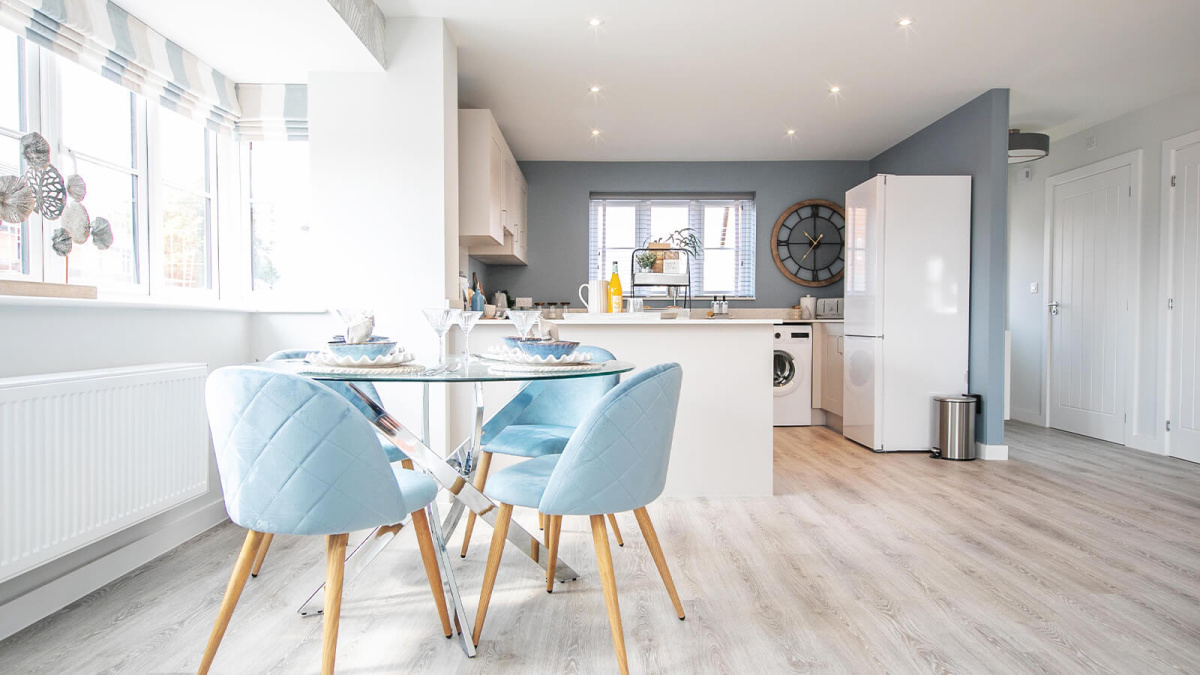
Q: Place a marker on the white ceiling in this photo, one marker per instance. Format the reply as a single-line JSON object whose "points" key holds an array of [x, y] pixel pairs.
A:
{"points": [[719, 80], [259, 40]]}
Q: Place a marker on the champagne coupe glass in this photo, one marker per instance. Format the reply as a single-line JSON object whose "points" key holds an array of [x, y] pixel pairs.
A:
{"points": [[524, 321], [466, 321], [442, 320]]}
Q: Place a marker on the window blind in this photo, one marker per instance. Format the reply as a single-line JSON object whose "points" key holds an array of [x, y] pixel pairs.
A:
{"points": [[725, 223]]}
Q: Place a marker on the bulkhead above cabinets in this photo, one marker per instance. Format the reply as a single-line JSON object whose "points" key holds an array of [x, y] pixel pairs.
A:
{"points": [[492, 193]]}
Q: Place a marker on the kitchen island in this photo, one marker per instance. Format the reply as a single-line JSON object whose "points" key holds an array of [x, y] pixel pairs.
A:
{"points": [[723, 431]]}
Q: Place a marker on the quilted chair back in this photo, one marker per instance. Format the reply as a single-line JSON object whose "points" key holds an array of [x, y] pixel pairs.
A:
{"points": [[617, 458], [567, 402], [340, 387], [297, 458]]}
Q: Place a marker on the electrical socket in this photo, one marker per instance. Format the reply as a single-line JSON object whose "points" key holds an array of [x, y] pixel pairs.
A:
{"points": [[1033, 287]]}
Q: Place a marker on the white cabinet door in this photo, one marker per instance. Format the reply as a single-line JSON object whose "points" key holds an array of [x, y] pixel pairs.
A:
{"points": [[496, 188], [1183, 399]]}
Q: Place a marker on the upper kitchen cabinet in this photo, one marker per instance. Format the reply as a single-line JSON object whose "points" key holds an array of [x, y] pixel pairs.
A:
{"points": [[492, 192]]}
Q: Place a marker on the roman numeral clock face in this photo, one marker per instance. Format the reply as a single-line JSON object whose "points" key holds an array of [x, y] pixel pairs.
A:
{"points": [[810, 242]]}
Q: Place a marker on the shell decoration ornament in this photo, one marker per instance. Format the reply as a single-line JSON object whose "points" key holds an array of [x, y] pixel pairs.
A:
{"points": [[49, 189], [76, 222], [36, 150], [102, 235], [76, 188], [61, 242], [17, 200]]}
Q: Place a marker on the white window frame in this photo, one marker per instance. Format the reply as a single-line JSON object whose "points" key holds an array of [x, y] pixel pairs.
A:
{"points": [[276, 296], [642, 236], [159, 285], [31, 240]]}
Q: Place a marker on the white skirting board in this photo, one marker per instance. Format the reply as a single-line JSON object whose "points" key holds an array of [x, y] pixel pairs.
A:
{"points": [[985, 451]]}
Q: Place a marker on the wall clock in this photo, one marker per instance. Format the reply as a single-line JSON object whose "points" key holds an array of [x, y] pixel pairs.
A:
{"points": [[809, 242]]}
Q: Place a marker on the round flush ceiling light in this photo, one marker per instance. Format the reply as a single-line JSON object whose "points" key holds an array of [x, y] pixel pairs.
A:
{"points": [[595, 90], [595, 132], [904, 23], [834, 89], [791, 132], [594, 23], [1026, 147]]}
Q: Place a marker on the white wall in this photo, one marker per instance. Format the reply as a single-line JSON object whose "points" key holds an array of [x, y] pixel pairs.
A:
{"points": [[384, 156], [1144, 129]]}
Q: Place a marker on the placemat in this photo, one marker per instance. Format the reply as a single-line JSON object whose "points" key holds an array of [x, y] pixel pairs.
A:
{"points": [[536, 368], [311, 369]]}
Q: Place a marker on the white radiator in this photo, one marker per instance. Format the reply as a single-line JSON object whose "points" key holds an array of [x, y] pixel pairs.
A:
{"points": [[83, 455]]}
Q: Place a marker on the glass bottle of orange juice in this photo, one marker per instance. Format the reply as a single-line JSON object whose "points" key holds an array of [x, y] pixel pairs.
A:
{"points": [[614, 291]]}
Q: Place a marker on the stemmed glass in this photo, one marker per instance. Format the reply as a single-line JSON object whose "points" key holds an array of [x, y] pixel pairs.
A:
{"points": [[466, 321], [524, 321], [442, 320]]}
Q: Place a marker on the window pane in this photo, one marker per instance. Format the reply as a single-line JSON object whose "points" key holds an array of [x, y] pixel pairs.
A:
{"points": [[97, 115], [620, 227], [720, 266], [280, 212], [720, 226], [182, 152], [185, 239], [667, 219], [110, 195], [10, 81], [10, 234]]}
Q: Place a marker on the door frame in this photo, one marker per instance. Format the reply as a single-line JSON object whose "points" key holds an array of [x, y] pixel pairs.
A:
{"points": [[1166, 283], [1131, 280]]}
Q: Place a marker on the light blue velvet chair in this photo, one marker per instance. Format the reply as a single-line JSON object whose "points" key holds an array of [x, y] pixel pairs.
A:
{"points": [[615, 461], [297, 458], [539, 421], [393, 453]]}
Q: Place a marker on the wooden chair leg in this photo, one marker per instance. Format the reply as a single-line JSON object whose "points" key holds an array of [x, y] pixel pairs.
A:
{"points": [[481, 475], [541, 520], [262, 554], [499, 535], [237, 581], [660, 560], [429, 557], [552, 550], [612, 520], [608, 580], [335, 566]]}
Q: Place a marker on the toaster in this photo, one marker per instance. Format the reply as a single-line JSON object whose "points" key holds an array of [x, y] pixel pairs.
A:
{"points": [[829, 308]]}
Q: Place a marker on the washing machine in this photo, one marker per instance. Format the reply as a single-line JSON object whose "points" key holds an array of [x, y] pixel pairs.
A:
{"points": [[793, 375]]}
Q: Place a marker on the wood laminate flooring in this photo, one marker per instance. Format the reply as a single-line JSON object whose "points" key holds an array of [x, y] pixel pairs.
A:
{"points": [[1074, 556]]}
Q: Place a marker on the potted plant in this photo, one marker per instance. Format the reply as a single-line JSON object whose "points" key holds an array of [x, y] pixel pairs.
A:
{"points": [[647, 261]]}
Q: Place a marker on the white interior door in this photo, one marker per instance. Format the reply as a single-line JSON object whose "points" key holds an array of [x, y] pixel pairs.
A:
{"points": [[1183, 400], [1091, 217]]}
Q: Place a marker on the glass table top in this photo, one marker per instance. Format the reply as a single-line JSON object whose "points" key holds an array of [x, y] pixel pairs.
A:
{"points": [[477, 370]]}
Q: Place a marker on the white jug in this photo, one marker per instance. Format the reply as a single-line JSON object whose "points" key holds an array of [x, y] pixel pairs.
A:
{"points": [[597, 296]]}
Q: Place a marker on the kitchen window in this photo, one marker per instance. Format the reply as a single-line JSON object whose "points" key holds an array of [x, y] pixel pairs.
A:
{"points": [[184, 198], [14, 103], [724, 224]]}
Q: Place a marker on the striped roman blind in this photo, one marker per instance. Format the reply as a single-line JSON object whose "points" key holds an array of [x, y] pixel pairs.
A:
{"points": [[273, 112], [725, 223]]}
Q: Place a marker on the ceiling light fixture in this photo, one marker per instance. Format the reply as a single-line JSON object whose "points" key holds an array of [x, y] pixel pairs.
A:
{"points": [[791, 132], [595, 90], [595, 132], [1026, 147], [595, 23], [904, 23], [834, 89]]}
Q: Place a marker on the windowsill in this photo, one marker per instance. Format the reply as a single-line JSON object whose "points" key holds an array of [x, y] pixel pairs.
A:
{"points": [[116, 301]]}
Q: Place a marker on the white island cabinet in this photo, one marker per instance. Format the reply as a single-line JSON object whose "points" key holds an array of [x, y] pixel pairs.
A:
{"points": [[723, 432]]}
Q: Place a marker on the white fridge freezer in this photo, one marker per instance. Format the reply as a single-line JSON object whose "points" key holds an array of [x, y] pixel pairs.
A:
{"points": [[907, 306]]}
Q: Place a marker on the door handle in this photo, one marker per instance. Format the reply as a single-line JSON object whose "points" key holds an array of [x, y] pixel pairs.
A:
{"points": [[1053, 307]]}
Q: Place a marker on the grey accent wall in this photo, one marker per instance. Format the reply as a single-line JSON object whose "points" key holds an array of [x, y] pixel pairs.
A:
{"points": [[558, 216], [973, 140]]}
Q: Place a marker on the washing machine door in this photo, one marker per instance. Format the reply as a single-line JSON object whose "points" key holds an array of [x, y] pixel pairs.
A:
{"points": [[785, 374]]}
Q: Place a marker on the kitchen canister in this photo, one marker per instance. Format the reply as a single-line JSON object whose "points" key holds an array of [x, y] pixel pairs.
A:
{"points": [[808, 307]]}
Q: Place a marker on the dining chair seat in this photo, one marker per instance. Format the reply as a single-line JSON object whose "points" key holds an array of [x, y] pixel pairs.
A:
{"points": [[295, 457], [522, 484], [531, 440]]}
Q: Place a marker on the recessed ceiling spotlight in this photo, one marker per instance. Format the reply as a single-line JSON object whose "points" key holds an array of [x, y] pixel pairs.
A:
{"points": [[834, 89], [791, 132], [595, 132], [594, 23], [904, 23], [595, 90]]}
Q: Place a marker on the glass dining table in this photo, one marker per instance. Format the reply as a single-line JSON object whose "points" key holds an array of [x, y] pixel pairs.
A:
{"points": [[453, 470]]}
